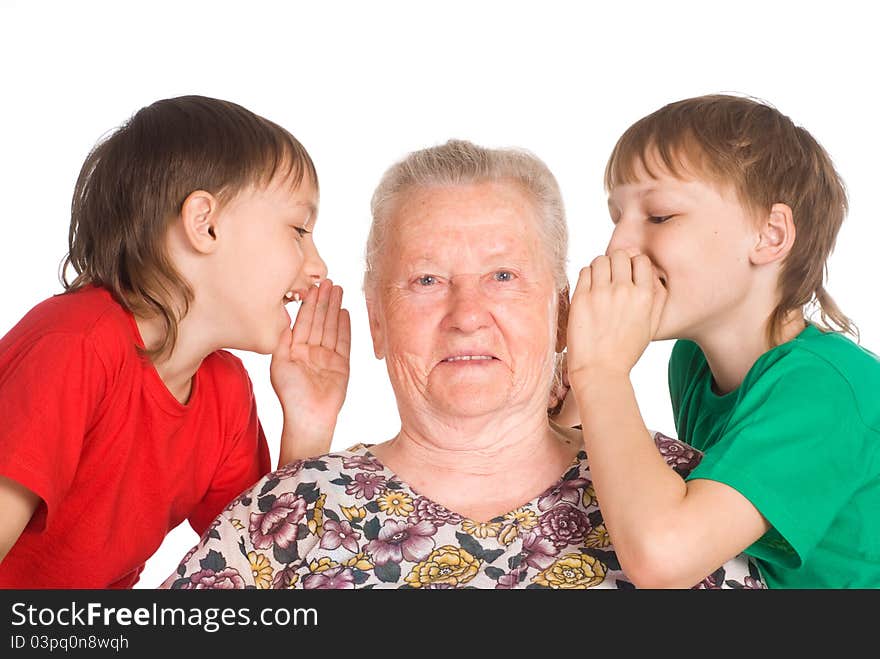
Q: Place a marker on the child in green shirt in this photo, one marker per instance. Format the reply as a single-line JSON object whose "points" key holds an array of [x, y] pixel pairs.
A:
{"points": [[725, 213]]}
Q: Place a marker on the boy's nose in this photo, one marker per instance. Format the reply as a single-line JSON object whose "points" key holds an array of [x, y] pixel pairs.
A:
{"points": [[625, 238], [314, 267]]}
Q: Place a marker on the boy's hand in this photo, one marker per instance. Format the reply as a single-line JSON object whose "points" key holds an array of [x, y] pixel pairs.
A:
{"points": [[309, 373], [615, 312]]}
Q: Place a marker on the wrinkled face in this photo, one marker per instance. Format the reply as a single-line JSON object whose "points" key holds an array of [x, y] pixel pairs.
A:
{"points": [[463, 308], [266, 250], [698, 236]]}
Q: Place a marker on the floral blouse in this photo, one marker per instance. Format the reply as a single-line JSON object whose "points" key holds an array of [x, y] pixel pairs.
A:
{"points": [[344, 520]]}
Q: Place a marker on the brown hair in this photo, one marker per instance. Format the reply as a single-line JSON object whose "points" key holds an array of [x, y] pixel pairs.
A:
{"points": [[134, 182], [768, 159]]}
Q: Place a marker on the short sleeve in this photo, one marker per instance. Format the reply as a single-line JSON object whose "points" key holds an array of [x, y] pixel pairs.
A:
{"points": [[219, 561], [794, 447], [246, 460], [257, 542], [49, 391], [684, 363]]}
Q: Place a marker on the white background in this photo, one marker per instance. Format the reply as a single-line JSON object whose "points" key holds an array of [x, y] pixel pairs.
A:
{"points": [[363, 83]]}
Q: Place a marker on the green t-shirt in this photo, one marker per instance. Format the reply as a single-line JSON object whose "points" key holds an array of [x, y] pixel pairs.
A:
{"points": [[800, 439]]}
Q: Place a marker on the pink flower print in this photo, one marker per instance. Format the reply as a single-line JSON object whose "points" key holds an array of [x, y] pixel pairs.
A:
{"points": [[290, 469], [336, 578], [365, 485], [339, 533], [226, 579], [365, 462], [564, 525], [713, 582], [283, 578], [512, 578], [278, 525], [398, 539], [432, 512], [538, 551], [564, 491], [678, 455]]}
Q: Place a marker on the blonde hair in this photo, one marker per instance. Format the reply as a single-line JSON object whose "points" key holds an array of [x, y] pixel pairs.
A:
{"points": [[768, 159], [459, 162]]}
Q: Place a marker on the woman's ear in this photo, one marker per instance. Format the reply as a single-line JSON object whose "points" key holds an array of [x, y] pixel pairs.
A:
{"points": [[562, 320], [198, 216], [377, 330], [776, 235]]}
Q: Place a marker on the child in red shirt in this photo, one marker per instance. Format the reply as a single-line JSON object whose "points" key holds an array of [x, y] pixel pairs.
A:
{"points": [[191, 227]]}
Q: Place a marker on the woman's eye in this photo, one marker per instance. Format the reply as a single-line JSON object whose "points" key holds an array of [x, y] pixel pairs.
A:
{"points": [[426, 280], [301, 231], [658, 219], [503, 275]]}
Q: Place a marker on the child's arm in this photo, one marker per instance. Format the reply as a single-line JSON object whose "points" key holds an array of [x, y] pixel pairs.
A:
{"points": [[666, 532], [310, 371], [18, 504]]}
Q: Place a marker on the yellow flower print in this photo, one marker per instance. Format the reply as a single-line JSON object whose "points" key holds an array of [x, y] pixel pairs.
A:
{"points": [[589, 497], [481, 529], [353, 513], [523, 518], [322, 564], [396, 503], [447, 565], [573, 571], [598, 537], [261, 570], [360, 562], [237, 524], [316, 523], [508, 533]]}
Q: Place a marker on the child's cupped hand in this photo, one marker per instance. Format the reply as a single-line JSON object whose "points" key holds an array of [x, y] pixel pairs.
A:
{"points": [[615, 313], [310, 369]]}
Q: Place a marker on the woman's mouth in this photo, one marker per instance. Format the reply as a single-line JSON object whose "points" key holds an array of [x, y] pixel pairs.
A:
{"points": [[469, 358]]}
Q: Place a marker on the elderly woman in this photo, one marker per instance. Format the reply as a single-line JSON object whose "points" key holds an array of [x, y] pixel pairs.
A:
{"points": [[466, 293]]}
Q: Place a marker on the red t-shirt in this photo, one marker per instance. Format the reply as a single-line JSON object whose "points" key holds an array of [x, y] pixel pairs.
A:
{"points": [[87, 424]]}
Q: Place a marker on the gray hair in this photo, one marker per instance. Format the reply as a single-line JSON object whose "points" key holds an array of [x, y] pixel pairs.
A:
{"points": [[459, 162]]}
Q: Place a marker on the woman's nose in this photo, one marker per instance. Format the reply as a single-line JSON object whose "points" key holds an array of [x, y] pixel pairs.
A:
{"points": [[468, 311]]}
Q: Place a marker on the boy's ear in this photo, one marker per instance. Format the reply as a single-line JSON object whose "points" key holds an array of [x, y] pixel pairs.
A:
{"points": [[776, 235], [377, 330], [562, 320], [198, 215]]}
